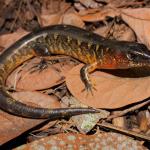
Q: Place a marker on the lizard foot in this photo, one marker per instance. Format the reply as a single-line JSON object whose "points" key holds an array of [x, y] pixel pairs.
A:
{"points": [[42, 65], [89, 88]]}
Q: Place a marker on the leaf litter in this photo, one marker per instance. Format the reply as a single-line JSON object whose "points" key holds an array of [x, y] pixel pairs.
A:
{"points": [[129, 90], [22, 78], [139, 21], [112, 91], [85, 122]]}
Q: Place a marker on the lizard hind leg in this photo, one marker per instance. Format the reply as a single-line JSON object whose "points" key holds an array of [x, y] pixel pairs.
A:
{"points": [[84, 74]]}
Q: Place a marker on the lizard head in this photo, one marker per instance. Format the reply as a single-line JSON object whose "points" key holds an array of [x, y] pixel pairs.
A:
{"points": [[127, 55], [137, 55]]}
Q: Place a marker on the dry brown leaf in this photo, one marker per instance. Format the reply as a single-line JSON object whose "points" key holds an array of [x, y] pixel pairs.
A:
{"points": [[53, 7], [1, 49], [98, 15], [7, 39], [70, 17], [73, 19], [53, 12], [84, 122], [87, 11], [37, 99], [125, 3], [89, 3], [78, 6], [117, 31], [12, 126], [112, 92], [49, 77], [139, 21], [52, 19], [65, 15]]}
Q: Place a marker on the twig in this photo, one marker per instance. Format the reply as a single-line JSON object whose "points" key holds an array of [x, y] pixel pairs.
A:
{"points": [[121, 113], [130, 4], [32, 9], [126, 132], [17, 15]]}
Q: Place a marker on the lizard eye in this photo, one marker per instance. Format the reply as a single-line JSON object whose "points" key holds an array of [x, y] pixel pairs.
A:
{"points": [[138, 57], [131, 56]]}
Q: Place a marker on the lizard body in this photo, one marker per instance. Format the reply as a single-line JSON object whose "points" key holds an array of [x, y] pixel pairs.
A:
{"points": [[93, 50]]}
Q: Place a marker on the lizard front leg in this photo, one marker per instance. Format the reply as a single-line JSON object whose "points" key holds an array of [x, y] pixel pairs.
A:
{"points": [[84, 74], [42, 50]]}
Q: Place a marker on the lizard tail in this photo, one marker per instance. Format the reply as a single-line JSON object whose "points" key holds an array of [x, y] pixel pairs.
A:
{"points": [[17, 108]]}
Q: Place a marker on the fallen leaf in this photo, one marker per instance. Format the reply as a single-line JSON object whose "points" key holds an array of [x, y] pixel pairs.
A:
{"points": [[87, 11], [118, 31], [48, 17], [89, 3], [7, 39], [1, 49], [13, 126], [64, 16], [29, 15], [22, 79], [52, 19], [84, 122], [53, 7], [99, 15], [78, 6], [139, 20], [112, 91], [36, 98], [125, 3], [73, 19]]}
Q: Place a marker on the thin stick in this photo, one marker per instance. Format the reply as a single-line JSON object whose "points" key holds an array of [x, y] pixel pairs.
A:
{"points": [[126, 132], [121, 113]]}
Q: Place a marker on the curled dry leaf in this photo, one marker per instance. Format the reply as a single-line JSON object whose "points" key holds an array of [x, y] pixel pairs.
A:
{"points": [[24, 78], [98, 15], [73, 19], [79, 6], [1, 49], [112, 91], [89, 3], [53, 7], [139, 21], [51, 19], [117, 31], [7, 39], [62, 17], [53, 12], [142, 119]]}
